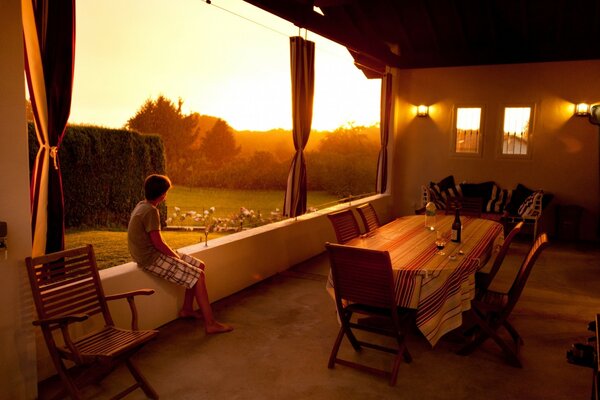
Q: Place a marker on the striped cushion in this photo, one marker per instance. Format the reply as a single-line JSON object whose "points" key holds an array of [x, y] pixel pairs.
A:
{"points": [[498, 200], [444, 189], [528, 208]]}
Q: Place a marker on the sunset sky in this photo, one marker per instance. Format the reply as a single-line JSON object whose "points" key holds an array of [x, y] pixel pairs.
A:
{"points": [[218, 63]]}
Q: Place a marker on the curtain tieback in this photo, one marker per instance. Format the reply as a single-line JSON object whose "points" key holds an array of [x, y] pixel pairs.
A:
{"points": [[54, 155]]}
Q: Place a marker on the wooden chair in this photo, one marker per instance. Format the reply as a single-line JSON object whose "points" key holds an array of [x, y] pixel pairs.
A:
{"points": [[368, 216], [469, 206], [345, 225], [67, 289], [491, 311], [364, 284], [482, 279]]}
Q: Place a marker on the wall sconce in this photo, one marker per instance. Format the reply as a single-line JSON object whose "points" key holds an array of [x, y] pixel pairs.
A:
{"points": [[582, 109], [422, 110]]}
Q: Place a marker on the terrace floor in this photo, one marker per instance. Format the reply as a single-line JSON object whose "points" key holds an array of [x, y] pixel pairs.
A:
{"points": [[285, 327]]}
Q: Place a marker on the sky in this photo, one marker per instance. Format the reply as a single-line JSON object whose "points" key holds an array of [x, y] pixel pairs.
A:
{"points": [[228, 59]]}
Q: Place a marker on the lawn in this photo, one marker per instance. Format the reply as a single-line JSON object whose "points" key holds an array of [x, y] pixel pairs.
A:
{"points": [[228, 202], [111, 245]]}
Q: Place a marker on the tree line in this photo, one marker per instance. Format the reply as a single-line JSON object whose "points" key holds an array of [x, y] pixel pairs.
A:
{"points": [[204, 151]]}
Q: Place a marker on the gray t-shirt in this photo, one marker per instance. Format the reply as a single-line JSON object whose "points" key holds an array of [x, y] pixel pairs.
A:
{"points": [[144, 219]]}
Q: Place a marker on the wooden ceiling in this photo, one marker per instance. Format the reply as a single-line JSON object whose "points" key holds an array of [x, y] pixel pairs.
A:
{"points": [[444, 33]]}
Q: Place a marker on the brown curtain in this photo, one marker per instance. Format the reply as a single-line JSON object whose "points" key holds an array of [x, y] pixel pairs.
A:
{"points": [[49, 36], [302, 58], [384, 124]]}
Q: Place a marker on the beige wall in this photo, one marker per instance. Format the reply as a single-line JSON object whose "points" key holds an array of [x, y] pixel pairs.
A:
{"points": [[565, 148], [17, 349]]}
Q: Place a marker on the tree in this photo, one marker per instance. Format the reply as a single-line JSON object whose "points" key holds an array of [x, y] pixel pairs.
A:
{"points": [[178, 132], [218, 146], [344, 163]]}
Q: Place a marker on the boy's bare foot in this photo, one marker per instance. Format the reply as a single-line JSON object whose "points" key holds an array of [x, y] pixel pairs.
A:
{"points": [[217, 327], [196, 314]]}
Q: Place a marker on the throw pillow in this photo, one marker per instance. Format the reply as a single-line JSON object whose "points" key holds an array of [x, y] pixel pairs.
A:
{"points": [[444, 189], [436, 199], [519, 194], [528, 209], [498, 200], [482, 190]]}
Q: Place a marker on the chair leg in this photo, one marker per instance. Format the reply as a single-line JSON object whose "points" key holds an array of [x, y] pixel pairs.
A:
{"points": [[335, 349], [144, 384], [67, 381], [513, 332]]}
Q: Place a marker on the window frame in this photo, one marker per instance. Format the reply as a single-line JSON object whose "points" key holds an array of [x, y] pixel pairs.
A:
{"points": [[530, 134], [453, 136]]}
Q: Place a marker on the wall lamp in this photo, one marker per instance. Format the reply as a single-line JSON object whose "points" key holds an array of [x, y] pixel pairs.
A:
{"points": [[582, 109], [422, 110]]}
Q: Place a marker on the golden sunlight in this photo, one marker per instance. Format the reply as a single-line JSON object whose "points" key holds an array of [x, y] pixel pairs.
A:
{"points": [[228, 59]]}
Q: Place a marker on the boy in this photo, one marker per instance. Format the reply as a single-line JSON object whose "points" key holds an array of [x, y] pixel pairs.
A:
{"points": [[150, 252]]}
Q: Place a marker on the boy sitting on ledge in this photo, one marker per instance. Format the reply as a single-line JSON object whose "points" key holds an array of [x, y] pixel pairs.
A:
{"points": [[150, 252]]}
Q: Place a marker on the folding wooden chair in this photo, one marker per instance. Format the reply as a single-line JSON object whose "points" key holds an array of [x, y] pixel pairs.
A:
{"points": [[469, 206], [368, 216], [67, 289], [482, 279], [364, 284], [492, 310], [345, 225]]}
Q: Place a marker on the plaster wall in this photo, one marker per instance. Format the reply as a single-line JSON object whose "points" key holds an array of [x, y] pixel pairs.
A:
{"points": [[565, 147], [17, 344]]}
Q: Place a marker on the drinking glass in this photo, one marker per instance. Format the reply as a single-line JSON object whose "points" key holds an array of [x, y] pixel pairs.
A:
{"points": [[440, 243]]}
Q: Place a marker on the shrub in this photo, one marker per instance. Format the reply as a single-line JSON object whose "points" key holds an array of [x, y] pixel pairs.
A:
{"points": [[103, 171]]}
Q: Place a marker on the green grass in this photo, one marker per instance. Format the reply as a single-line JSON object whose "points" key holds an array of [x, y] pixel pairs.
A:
{"points": [[228, 202], [110, 246]]}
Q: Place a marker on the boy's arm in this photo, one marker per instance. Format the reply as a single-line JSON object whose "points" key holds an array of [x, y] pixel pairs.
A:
{"points": [[158, 242]]}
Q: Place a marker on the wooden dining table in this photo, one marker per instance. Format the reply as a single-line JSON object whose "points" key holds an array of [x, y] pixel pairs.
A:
{"points": [[438, 287]]}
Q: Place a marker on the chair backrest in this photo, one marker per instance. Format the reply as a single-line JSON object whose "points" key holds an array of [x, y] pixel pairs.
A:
{"points": [[361, 276], [502, 254], [521, 279], [67, 282], [344, 225], [368, 216], [469, 206]]}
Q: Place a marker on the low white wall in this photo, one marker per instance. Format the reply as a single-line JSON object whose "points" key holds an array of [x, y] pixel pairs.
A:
{"points": [[233, 262]]}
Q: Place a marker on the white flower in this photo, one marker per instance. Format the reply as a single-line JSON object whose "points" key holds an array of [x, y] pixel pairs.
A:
{"points": [[177, 209], [212, 210]]}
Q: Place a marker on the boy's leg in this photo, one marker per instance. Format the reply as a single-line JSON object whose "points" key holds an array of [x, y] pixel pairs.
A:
{"points": [[210, 324], [187, 310], [201, 294]]}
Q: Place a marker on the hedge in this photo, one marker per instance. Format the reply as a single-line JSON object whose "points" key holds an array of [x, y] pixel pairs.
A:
{"points": [[103, 171]]}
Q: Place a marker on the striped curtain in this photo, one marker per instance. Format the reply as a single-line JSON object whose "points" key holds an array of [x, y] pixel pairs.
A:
{"points": [[302, 58], [384, 124], [49, 35]]}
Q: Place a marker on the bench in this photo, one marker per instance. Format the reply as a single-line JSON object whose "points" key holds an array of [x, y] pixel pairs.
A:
{"points": [[507, 206]]}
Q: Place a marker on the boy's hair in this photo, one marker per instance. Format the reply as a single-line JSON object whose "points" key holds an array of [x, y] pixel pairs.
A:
{"points": [[155, 186]]}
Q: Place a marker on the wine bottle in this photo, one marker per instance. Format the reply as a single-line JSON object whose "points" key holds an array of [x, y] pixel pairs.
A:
{"points": [[456, 227]]}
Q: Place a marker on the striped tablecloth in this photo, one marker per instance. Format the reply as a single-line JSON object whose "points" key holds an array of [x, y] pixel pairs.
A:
{"points": [[439, 287]]}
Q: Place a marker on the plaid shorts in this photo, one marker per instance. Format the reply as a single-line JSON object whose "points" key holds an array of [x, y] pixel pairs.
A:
{"points": [[185, 271]]}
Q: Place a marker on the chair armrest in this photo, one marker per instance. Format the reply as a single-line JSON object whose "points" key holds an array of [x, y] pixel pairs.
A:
{"points": [[62, 320], [124, 295], [130, 296]]}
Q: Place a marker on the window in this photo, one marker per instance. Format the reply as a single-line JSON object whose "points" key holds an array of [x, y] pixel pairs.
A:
{"points": [[516, 132], [467, 137]]}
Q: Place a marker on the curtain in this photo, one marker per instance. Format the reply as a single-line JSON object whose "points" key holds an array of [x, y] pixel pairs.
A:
{"points": [[302, 59], [49, 36], [384, 124]]}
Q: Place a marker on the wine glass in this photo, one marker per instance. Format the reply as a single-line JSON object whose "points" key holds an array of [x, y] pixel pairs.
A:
{"points": [[440, 243]]}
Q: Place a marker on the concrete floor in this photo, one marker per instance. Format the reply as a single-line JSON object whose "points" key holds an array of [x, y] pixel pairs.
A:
{"points": [[286, 325]]}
